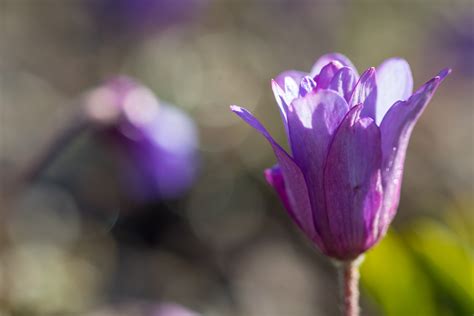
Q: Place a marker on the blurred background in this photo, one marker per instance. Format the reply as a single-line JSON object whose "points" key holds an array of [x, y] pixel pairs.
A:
{"points": [[77, 237]]}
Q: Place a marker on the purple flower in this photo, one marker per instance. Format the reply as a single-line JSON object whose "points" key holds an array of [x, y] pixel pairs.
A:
{"points": [[170, 309], [156, 142], [141, 16], [348, 137], [455, 38]]}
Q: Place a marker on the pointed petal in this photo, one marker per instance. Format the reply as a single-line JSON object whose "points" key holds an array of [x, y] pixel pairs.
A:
{"points": [[312, 121], [327, 73], [365, 92], [296, 189], [280, 97], [286, 85], [394, 83], [326, 59], [396, 129], [343, 82], [352, 185]]}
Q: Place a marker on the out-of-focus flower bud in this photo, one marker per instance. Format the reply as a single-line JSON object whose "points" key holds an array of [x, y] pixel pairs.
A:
{"points": [[170, 309], [144, 16], [155, 141]]}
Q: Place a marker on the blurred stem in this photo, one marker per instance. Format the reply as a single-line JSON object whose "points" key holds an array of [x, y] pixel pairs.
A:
{"points": [[350, 286], [74, 126]]}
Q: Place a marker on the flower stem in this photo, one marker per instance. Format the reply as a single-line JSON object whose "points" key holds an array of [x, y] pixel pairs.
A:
{"points": [[350, 286], [73, 127]]}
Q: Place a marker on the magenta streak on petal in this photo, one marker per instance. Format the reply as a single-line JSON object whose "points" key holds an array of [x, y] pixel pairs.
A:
{"points": [[297, 190], [352, 185], [396, 129], [326, 59], [343, 82], [274, 177], [312, 121], [394, 83]]}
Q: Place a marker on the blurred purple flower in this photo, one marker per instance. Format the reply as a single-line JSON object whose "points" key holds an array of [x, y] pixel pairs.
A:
{"points": [[172, 310], [139, 16], [456, 38], [348, 137], [156, 141]]}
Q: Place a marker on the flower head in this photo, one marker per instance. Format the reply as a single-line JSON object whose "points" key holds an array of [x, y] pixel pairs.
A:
{"points": [[348, 136], [156, 141]]}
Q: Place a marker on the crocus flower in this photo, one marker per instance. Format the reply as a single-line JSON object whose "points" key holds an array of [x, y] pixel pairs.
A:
{"points": [[348, 136], [156, 141]]}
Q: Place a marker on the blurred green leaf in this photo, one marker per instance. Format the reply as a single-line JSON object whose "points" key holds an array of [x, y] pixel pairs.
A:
{"points": [[449, 263], [390, 275]]}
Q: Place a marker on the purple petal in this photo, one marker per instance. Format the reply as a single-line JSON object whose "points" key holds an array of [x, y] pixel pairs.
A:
{"points": [[312, 121], [396, 129], [294, 74], [394, 83], [274, 177], [288, 82], [296, 187], [292, 89], [352, 185], [343, 82], [280, 97], [173, 160], [327, 73], [365, 92], [326, 59], [307, 85]]}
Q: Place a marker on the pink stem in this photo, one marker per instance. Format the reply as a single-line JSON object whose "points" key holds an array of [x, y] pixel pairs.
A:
{"points": [[350, 286], [351, 289]]}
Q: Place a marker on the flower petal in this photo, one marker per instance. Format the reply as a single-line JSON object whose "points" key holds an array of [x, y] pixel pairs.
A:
{"points": [[327, 73], [274, 177], [312, 121], [365, 92], [326, 59], [294, 74], [352, 185], [394, 83], [280, 97], [343, 82], [307, 84], [293, 177], [289, 83], [396, 129]]}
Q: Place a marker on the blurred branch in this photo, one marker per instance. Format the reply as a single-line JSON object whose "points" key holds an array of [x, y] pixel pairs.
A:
{"points": [[73, 126]]}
